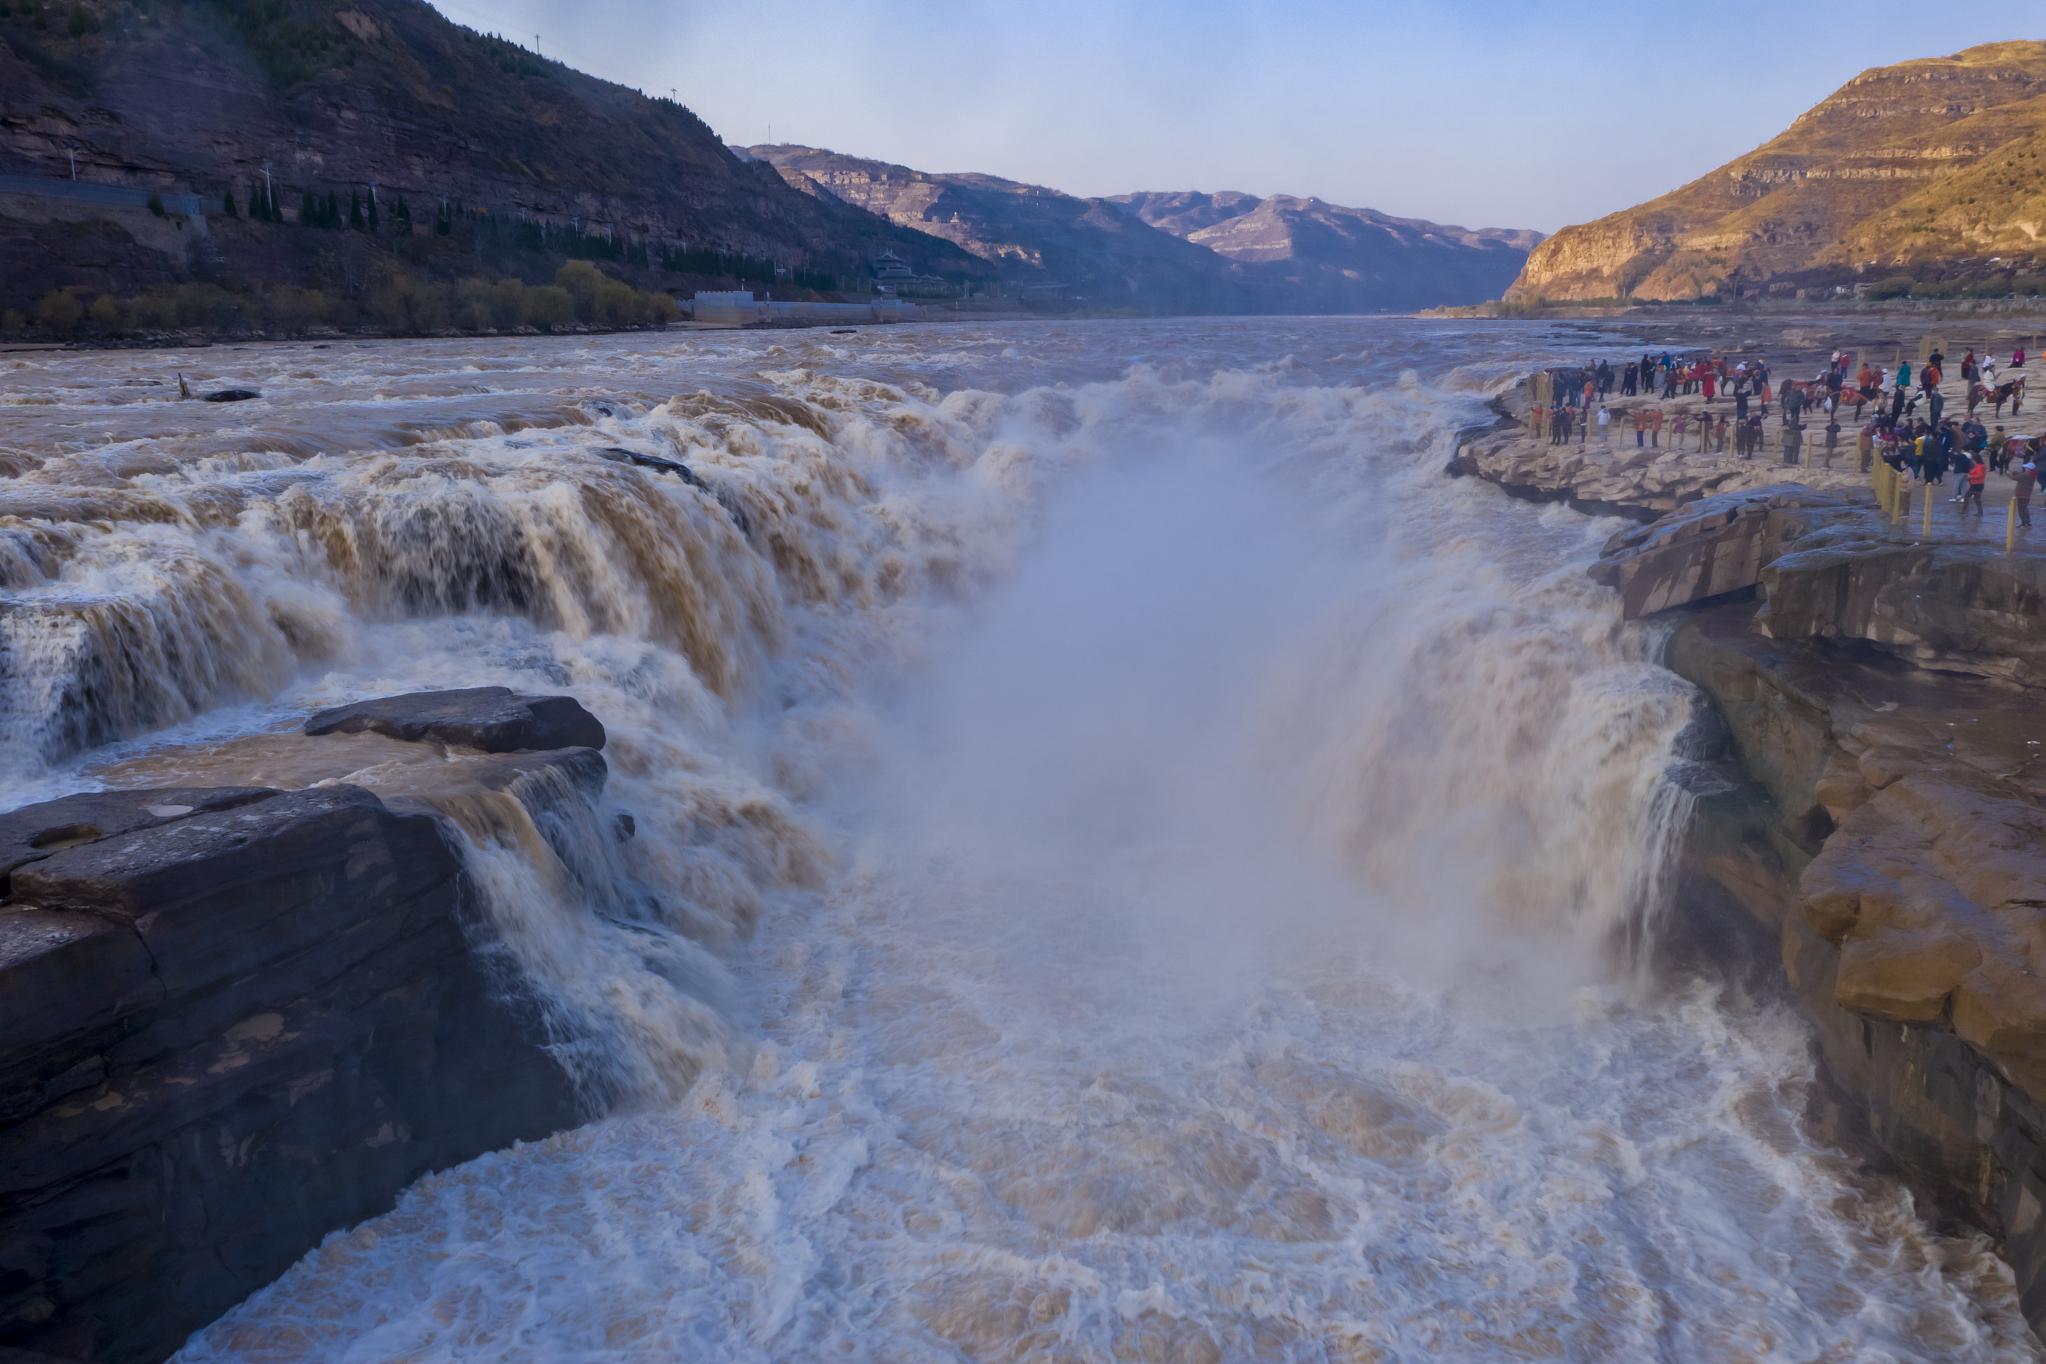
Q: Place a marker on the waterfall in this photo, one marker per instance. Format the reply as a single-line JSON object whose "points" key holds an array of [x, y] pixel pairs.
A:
{"points": [[1126, 861]]}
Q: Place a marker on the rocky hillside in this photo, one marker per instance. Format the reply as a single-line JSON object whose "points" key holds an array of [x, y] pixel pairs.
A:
{"points": [[334, 98], [1177, 251], [1930, 169], [1040, 239], [1357, 256]]}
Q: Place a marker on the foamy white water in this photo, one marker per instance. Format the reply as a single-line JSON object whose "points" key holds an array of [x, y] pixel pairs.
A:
{"points": [[1132, 864]]}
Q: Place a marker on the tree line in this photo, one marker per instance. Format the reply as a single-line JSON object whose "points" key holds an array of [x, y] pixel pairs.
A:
{"points": [[495, 232], [580, 296]]}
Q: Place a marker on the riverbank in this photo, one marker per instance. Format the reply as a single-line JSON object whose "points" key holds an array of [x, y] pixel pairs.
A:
{"points": [[1870, 781]]}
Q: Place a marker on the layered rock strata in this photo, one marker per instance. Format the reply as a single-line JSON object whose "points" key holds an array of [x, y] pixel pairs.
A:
{"points": [[1869, 829], [1886, 828], [235, 1018]]}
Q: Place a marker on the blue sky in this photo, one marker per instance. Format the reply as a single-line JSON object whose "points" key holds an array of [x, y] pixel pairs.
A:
{"points": [[1479, 112]]}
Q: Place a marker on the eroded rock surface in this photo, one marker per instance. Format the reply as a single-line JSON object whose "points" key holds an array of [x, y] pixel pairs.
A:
{"points": [[493, 719], [1712, 547], [235, 1018], [1893, 845]]}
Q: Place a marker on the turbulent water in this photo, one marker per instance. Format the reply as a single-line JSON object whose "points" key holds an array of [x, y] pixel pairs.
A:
{"points": [[1132, 864]]}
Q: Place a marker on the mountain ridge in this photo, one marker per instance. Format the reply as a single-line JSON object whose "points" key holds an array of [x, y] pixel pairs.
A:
{"points": [[1927, 167], [1278, 253]]}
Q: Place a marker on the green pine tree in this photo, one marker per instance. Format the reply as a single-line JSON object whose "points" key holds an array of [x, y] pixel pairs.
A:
{"points": [[331, 217], [355, 219], [372, 215], [227, 203], [308, 209], [256, 213]]}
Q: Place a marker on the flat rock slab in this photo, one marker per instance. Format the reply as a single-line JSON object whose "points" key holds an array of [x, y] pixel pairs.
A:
{"points": [[1709, 548], [492, 719], [34, 832]]}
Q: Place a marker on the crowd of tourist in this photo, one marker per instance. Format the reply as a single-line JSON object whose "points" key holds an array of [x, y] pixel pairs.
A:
{"points": [[1898, 415]]}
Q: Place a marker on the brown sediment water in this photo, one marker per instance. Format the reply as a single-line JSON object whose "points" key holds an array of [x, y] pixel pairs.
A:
{"points": [[1129, 863]]}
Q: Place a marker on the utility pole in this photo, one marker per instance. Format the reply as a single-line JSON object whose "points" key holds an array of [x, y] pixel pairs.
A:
{"points": [[373, 193], [72, 152], [269, 190]]}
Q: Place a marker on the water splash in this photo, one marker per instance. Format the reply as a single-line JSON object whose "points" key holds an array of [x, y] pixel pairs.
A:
{"points": [[1129, 863]]}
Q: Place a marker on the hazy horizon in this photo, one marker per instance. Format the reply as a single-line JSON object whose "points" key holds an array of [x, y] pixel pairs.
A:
{"points": [[1473, 113]]}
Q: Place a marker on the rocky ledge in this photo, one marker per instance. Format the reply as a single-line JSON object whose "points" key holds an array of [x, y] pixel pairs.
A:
{"points": [[235, 1018], [1878, 812], [1828, 566], [1615, 477]]}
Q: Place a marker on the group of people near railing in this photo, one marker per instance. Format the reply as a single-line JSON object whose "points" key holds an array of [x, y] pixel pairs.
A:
{"points": [[1572, 402]]}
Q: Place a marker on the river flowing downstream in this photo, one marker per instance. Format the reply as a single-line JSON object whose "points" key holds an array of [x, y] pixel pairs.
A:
{"points": [[1132, 863]]}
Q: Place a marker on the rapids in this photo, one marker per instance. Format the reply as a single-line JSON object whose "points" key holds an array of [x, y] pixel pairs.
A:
{"points": [[1132, 863]]}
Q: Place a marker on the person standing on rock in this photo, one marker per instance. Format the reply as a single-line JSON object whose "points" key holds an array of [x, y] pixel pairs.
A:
{"points": [[1538, 420], [1719, 435], [1679, 430], [1605, 425], [2026, 478], [1793, 440], [1640, 427], [1978, 475], [1655, 427]]}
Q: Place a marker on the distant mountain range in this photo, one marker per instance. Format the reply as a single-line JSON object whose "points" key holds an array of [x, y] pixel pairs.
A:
{"points": [[1187, 250], [432, 154], [1354, 256], [1932, 169]]}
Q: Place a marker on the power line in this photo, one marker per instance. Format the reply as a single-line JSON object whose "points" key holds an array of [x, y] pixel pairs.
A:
{"points": [[494, 24]]}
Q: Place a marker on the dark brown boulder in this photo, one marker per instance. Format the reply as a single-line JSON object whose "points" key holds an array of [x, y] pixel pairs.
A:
{"points": [[35, 831], [493, 719], [227, 1032]]}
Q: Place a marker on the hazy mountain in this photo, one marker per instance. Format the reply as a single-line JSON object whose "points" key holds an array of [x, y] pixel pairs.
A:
{"points": [[201, 95], [1037, 237], [1226, 252], [1354, 257], [1928, 167]]}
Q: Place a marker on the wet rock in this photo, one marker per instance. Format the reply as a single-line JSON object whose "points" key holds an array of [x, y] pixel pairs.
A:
{"points": [[36, 831], [227, 1032], [493, 719], [618, 454], [230, 395]]}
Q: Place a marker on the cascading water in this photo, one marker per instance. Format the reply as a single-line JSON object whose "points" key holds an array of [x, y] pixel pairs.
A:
{"points": [[1131, 863]]}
